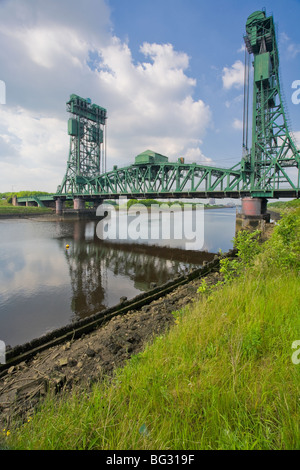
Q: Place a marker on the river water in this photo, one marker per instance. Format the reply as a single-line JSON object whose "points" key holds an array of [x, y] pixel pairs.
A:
{"points": [[44, 285]]}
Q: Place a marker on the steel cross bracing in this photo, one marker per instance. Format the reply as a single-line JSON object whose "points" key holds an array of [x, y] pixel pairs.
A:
{"points": [[87, 158], [166, 179], [273, 161], [174, 179], [269, 169]]}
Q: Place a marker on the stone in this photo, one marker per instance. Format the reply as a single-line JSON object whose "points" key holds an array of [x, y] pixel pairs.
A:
{"points": [[72, 362], [57, 381], [90, 352], [34, 388], [63, 361]]}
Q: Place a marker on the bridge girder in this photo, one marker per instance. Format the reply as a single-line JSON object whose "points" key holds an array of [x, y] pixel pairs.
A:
{"points": [[176, 180], [169, 178], [269, 169]]}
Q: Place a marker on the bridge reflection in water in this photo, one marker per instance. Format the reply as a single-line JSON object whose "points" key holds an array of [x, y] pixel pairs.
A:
{"points": [[96, 266], [45, 286]]}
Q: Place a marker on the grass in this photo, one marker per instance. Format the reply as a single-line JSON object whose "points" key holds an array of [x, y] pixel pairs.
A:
{"points": [[221, 378], [9, 209], [284, 205]]}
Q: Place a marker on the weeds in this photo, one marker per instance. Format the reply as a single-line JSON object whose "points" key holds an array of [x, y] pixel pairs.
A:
{"points": [[222, 378]]}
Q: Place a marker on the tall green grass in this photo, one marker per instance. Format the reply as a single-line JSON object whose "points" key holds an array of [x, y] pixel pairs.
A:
{"points": [[8, 209], [221, 378], [284, 205]]}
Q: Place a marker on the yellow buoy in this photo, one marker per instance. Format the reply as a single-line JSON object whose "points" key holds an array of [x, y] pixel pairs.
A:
{"points": [[67, 246]]}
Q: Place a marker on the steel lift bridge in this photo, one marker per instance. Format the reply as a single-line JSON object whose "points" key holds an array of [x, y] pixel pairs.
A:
{"points": [[269, 169]]}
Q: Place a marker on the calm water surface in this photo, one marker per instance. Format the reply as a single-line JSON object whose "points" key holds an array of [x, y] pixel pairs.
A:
{"points": [[44, 286]]}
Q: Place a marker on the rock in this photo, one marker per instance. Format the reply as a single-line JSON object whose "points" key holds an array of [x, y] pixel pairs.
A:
{"points": [[72, 362], [90, 352], [114, 347], [134, 338], [34, 388], [63, 361], [57, 381]]}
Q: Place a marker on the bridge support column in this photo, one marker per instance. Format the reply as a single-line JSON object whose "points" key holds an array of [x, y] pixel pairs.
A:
{"points": [[254, 211], [79, 204], [58, 206]]}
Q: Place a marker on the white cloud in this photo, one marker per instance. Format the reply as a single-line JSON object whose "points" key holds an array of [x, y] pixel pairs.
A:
{"points": [[297, 138], [50, 54], [283, 37], [293, 50], [237, 124], [36, 149], [48, 46], [237, 101], [233, 76], [154, 105], [194, 154]]}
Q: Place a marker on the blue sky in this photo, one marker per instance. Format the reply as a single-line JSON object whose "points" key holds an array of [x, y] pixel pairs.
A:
{"points": [[169, 73]]}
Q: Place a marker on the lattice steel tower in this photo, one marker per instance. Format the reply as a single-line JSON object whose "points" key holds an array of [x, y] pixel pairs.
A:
{"points": [[87, 154], [273, 154]]}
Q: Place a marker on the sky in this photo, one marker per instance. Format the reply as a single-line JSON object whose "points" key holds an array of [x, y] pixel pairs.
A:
{"points": [[169, 72]]}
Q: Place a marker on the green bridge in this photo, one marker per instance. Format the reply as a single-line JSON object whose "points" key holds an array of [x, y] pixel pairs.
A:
{"points": [[269, 169]]}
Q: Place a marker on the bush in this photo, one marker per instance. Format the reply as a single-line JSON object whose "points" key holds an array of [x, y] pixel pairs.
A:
{"points": [[248, 247], [283, 249]]}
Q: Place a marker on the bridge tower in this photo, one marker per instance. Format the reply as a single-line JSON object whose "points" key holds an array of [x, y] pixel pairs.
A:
{"points": [[87, 152], [273, 159]]}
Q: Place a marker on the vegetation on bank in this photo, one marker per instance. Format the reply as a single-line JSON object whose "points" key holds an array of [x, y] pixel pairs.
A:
{"points": [[6, 207], [225, 376], [9, 209], [284, 205], [8, 196], [23, 210]]}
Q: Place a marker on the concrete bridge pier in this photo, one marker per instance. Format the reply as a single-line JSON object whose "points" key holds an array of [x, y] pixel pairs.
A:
{"points": [[58, 205], [254, 212], [79, 204]]}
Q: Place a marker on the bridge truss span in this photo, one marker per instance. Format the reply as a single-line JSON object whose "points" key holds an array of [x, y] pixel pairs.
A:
{"points": [[168, 180], [269, 167]]}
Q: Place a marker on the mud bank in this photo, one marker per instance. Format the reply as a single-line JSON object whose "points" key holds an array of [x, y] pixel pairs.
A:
{"points": [[78, 363]]}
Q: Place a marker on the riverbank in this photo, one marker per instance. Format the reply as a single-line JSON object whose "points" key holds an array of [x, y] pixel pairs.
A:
{"points": [[10, 211], [78, 363], [280, 206], [218, 374]]}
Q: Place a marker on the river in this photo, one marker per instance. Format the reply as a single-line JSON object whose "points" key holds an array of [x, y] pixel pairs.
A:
{"points": [[44, 285]]}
